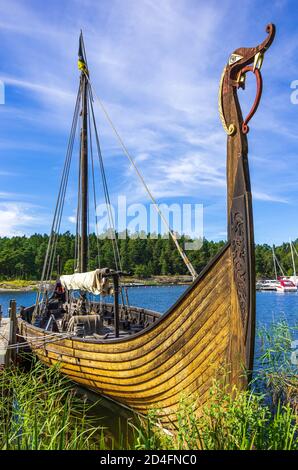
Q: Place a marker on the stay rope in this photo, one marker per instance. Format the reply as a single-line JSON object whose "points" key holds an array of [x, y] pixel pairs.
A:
{"points": [[116, 252], [141, 178], [53, 239], [93, 186]]}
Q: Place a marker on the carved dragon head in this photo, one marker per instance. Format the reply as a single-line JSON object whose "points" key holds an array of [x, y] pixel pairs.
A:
{"points": [[244, 56], [241, 61]]}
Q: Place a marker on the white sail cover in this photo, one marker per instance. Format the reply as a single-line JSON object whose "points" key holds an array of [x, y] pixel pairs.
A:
{"points": [[93, 281]]}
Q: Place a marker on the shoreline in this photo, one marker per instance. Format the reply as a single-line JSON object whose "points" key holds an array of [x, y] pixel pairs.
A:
{"points": [[182, 280], [20, 289]]}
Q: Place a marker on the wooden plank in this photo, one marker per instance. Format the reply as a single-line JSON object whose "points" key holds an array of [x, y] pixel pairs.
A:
{"points": [[195, 338], [5, 335], [13, 338]]}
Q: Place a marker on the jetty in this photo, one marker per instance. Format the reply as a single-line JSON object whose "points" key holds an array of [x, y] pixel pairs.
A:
{"points": [[8, 336]]}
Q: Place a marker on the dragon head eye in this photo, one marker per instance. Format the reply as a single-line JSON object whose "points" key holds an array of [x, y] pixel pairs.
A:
{"points": [[234, 58]]}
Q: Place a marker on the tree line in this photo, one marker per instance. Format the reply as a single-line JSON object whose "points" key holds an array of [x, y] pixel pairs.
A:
{"points": [[22, 257]]}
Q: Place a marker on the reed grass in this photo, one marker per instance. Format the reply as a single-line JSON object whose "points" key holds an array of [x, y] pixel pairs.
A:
{"points": [[40, 410], [17, 283], [231, 421], [276, 374], [264, 418]]}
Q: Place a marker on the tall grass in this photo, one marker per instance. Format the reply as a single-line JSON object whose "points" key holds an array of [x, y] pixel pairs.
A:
{"points": [[39, 409], [275, 373], [238, 421], [264, 417]]}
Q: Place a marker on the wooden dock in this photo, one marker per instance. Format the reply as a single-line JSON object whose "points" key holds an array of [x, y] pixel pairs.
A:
{"points": [[7, 336]]}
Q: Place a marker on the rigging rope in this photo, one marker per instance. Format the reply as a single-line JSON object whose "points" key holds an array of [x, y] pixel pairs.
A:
{"points": [[277, 262], [55, 230], [116, 252], [38, 342], [93, 184], [62, 199], [126, 152], [52, 243], [294, 249]]}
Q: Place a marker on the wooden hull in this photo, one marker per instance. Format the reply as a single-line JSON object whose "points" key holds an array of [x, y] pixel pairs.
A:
{"points": [[180, 354]]}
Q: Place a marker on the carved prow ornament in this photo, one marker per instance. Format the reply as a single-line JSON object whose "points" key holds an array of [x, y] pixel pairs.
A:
{"points": [[240, 220]]}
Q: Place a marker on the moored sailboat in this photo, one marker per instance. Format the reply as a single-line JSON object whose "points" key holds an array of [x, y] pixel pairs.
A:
{"points": [[133, 355], [282, 283]]}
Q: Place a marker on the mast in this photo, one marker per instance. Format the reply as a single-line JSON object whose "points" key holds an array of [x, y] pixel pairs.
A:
{"points": [[83, 255], [293, 260], [274, 262]]}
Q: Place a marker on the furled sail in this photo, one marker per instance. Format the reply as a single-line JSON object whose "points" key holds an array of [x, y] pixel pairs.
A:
{"points": [[95, 282]]}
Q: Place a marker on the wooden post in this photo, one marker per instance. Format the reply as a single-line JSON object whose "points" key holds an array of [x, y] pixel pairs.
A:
{"points": [[58, 266], [116, 304], [13, 337]]}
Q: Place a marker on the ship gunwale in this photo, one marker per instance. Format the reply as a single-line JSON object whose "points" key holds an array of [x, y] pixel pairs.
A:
{"points": [[159, 320]]}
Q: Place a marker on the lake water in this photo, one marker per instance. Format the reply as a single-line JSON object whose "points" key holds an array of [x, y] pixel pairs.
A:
{"points": [[271, 306]]}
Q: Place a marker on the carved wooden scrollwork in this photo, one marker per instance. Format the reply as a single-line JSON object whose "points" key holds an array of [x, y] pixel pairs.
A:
{"points": [[239, 256]]}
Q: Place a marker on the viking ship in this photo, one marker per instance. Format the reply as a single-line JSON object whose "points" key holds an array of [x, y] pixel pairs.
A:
{"points": [[138, 357]]}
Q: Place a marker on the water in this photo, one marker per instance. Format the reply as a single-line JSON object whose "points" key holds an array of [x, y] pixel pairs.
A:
{"points": [[276, 306], [22, 298], [271, 306]]}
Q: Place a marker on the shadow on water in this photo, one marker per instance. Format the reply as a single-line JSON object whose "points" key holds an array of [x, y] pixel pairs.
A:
{"points": [[117, 420]]}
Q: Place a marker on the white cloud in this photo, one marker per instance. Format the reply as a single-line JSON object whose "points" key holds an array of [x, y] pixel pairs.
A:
{"points": [[262, 196], [42, 90], [17, 219]]}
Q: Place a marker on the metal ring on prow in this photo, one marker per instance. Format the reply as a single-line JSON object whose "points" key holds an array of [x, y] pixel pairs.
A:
{"points": [[257, 73]]}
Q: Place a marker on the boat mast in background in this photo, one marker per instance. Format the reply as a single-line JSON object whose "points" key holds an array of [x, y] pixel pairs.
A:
{"points": [[293, 261], [274, 262]]}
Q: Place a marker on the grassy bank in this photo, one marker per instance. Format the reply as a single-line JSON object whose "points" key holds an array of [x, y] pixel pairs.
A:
{"points": [[159, 280], [40, 410], [28, 285], [18, 284]]}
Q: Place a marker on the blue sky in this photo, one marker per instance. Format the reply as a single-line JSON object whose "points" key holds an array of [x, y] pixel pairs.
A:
{"points": [[156, 65]]}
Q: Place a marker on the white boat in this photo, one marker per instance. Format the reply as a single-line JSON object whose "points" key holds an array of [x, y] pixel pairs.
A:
{"points": [[294, 280], [281, 283], [284, 284], [267, 284]]}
